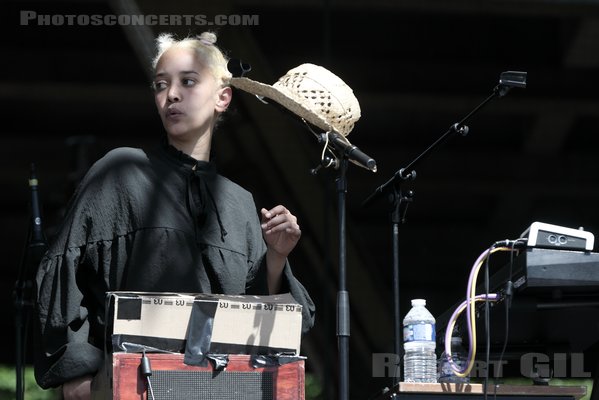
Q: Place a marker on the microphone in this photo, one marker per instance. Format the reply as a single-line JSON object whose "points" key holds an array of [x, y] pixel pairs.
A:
{"points": [[37, 234], [33, 252], [509, 80], [353, 153]]}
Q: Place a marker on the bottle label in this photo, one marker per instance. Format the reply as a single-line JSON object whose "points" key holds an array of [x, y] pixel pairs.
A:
{"points": [[419, 332]]}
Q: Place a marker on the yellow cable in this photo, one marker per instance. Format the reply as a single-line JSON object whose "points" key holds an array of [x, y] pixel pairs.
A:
{"points": [[450, 328], [472, 310]]}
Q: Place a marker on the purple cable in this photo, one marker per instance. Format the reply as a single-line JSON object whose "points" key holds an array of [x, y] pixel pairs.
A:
{"points": [[492, 296]]}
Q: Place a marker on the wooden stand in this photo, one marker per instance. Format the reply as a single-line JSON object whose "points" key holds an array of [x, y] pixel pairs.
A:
{"points": [[172, 379], [474, 391]]}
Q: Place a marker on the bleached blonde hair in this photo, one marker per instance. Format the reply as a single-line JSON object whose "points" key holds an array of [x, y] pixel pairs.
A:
{"points": [[205, 47]]}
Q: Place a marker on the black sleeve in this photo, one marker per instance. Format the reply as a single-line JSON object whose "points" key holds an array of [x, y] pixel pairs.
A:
{"points": [[62, 325], [66, 276]]}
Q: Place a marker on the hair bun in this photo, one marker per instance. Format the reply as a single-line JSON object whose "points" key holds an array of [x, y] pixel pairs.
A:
{"points": [[208, 38]]}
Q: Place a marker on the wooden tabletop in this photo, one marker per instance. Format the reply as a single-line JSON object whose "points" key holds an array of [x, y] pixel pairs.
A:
{"points": [[476, 388]]}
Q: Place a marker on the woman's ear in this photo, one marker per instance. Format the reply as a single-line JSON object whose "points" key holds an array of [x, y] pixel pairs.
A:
{"points": [[225, 95]]}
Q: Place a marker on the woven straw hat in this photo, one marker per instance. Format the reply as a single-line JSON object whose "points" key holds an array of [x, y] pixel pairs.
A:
{"points": [[313, 93]]}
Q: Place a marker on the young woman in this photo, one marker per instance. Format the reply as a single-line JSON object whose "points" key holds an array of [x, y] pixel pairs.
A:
{"points": [[161, 221]]}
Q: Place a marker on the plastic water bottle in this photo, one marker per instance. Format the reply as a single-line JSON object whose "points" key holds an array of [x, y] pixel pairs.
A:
{"points": [[459, 357], [420, 360]]}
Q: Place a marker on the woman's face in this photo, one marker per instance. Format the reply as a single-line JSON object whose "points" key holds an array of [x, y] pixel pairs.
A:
{"points": [[187, 95]]}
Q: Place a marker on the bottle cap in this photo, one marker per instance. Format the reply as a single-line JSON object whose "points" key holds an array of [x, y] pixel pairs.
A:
{"points": [[418, 302]]}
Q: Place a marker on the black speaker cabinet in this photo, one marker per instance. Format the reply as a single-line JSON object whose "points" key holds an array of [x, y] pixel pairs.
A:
{"points": [[171, 379]]}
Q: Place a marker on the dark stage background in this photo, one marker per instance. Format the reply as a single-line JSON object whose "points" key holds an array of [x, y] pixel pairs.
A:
{"points": [[70, 93]]}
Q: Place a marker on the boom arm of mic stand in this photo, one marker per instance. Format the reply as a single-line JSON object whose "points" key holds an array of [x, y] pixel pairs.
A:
{"points": [[407, 173], [507, 81]]}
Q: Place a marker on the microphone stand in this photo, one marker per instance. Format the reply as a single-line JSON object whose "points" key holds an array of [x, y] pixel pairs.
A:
{"points": [[343, 154], [24, 291], [343, 319], [400, 200]]}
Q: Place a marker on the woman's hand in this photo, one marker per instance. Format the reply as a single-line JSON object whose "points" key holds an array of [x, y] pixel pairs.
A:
{"points": [[78, 389], [281, 234], [280, 230]]}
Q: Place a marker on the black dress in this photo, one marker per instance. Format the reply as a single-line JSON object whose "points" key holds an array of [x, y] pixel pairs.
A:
{"points": [[156, 222]]}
